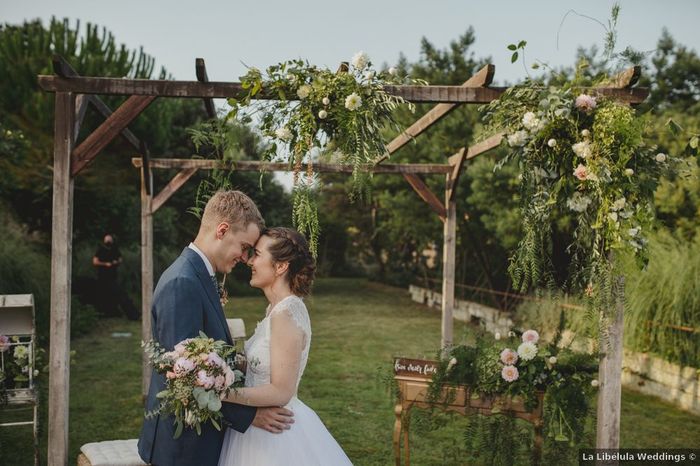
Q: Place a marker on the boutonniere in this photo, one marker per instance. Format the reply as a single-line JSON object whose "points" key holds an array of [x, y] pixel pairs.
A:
{"points": [[223, 294]]}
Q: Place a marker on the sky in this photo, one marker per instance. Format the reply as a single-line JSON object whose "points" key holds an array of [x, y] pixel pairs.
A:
{"points": [[231, 35]]}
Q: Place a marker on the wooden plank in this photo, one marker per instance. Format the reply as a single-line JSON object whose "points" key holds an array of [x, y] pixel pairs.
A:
{"points": [[484, 146], [172, 187], [108, 130], [426, 194], [81, 105], [146, 275], [624, 79], [62, 68], [482, 78], [449, 252], [250, 165], [194, 89], [61, 250], [203, 77], [453, 177]]}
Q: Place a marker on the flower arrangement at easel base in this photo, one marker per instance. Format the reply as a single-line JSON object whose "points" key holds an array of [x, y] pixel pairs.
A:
{"points": [[310, 114], [584, 157], [19, 365], [520, 368]]}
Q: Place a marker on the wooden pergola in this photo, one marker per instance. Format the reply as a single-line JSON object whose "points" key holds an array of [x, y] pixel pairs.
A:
{"points": [[73, 94]]}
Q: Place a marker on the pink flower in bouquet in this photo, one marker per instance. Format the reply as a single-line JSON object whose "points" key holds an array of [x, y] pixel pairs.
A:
{"points": [[170, 375], [183, 366], [204, 379], [585, 103], [214, 359], [4, 343], [581, 172], [229, 376], [180, 349], [510, 373], [531, 336], [220, 382], [509, 357]]}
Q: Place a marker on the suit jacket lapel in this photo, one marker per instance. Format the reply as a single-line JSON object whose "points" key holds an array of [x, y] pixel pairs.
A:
{"points": [[210, 287]]}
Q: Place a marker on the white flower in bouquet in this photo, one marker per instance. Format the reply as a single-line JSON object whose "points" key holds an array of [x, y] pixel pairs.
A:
{"points": [[629, 172], [510, 373], [531, 336], [613, 216], [360, 60], [532, 123], [517, 139], [369, 75], [326, 101], [582, 149], [585, 103], [634, 231], [509, 357], [585, 133], [323, 114], [353, 102], [660, 157], [451, 364], [578, 202], [594, 383], [552, 360], [511, 334], [393, 71], [497, 335], [291, 78], [21, 352], [619, 204], [304, 91], [283, 133], [552, 143], [527, 351]]}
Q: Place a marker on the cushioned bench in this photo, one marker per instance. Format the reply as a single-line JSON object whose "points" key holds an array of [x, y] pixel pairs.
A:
{"points": [[110, 453]]}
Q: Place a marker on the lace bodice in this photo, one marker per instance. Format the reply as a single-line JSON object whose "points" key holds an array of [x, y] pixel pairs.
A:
{"points": [[257, 347]]}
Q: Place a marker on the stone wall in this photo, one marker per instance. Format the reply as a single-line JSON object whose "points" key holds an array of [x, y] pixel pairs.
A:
{"points": [[640, 371]]}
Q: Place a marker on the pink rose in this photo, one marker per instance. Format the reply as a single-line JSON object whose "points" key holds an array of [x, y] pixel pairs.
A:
{"points": [[509, 357], [585, 103], [581, 172], [170, 375], [205, 380], [229, 376], [4, 343], [183, 366], [510, 373], [220, 382], [214, 359], [531, 336]]}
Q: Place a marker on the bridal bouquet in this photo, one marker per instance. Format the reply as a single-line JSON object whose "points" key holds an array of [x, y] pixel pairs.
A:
{"points": [[198, 375]]}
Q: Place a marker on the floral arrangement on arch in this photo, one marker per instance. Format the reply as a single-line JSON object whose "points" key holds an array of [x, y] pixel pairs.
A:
{"points": [[584, 156], [308, 113], [521, 367]]}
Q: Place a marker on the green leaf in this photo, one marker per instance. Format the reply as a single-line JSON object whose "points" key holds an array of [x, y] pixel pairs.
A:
{"points": [[512, 47], [514, 57], [162, 394], [178, 429], [216, 424], [561, 438], [522, 44], [694, 141], [674, 127], [535, 66]]}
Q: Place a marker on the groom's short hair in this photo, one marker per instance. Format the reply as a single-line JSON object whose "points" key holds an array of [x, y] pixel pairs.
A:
{"points": [[234, 208]]}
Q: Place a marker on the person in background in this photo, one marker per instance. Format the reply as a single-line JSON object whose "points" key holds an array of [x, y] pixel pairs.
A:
{"points": [[111, 297]]}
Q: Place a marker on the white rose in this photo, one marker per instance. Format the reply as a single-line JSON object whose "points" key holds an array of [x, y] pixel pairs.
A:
{"points": [[661, 157], [619, 204], [552, 143], [497, 336], [517, 139], [304, 91], [291, 77], [393, 71], [553, 360], [585, 133], [353, 102], [322, 114], [451, 364], [284, 134], [360, 60], [326, 101], [594, 383], [629, 172], [369, 75]]}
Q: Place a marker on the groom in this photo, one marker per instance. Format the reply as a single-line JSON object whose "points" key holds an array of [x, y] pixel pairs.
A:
{"points": [[185, 302]]}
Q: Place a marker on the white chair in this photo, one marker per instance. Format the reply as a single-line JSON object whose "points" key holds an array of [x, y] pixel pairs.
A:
{"points": [[237, 329], [110, 453]]}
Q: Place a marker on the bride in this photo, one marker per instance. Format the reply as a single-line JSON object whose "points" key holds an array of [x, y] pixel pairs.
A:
{"points": [[277, 352]]}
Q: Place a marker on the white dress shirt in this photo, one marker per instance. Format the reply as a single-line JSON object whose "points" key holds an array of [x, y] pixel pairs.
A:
{"points": [[210, 269]]}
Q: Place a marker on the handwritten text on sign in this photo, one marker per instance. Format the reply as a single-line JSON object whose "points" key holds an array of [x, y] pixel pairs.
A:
{"points": [[415, 367]]}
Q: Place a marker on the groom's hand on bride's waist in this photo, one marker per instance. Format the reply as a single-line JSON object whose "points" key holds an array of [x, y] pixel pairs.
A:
{"points": [[275, 420]]}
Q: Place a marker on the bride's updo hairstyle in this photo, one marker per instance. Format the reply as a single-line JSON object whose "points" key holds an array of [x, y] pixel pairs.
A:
{"points": [[290, 246]]}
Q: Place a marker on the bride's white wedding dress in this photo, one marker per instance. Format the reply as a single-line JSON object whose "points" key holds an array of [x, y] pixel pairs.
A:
{"points": [[308, 442]]}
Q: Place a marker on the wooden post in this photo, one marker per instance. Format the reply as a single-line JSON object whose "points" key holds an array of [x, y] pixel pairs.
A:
{"points": [[146, 271], [61, 247], [449, 250], [609, 376]]}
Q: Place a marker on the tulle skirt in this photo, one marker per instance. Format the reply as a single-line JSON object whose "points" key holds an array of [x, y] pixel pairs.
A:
{"points": [[306, 443]]}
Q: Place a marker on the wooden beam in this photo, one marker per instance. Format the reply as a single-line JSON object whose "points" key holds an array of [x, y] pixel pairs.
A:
{"points": [[172, 187], [61, 254], [482, 78], [624, 79], [453, 177], [81, 105], [477, 149], [449, 252], [107, 131], [62, 68], [426, 194], [146, 165], [202, 77], [146, 275], [249, 165], [194, 89]]}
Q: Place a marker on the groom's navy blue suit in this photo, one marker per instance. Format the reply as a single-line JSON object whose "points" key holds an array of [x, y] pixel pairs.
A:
{"points": [[186, 302]]}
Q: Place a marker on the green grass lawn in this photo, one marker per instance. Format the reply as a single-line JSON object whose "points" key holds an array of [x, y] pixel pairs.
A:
{"points": [[358, 327]]}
